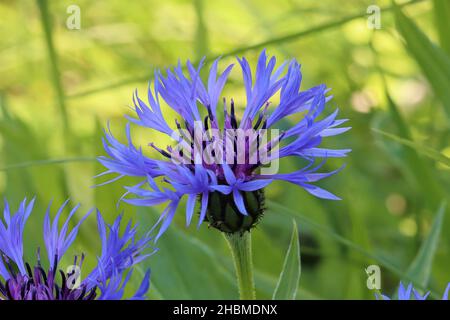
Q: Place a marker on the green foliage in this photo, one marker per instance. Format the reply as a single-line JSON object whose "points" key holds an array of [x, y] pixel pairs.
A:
{"points": [[287, 285], [397, 100], [420, 268], [429, 152], [433, 60]]}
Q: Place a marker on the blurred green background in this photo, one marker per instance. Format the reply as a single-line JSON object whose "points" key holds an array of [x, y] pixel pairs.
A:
{"points": [[59, 88]]}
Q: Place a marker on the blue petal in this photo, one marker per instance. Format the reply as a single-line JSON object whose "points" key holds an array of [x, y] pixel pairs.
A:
{"points": [[228, 173], [445, 296], [319, 192], [203, 209], [254, 185], [190, 208], [11, 234], [143, 288], [239, 201]]}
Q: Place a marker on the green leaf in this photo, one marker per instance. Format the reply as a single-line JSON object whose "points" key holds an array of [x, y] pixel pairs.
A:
{"points": [[433, 61], [263, 44], [265, 283], [420, 171], [429, 152], [442, 21], [46, 21], [34, 163], [420, 268], [287, 285], [201, 37], [350, 244], [185, 268]]}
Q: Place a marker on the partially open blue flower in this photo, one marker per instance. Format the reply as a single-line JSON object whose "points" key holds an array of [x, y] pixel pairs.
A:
{"points": [[409, 293], [215, 153], [22, 281]]}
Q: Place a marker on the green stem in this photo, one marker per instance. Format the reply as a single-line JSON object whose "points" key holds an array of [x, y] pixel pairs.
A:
{"points": [[241, 248], [53, 58]]}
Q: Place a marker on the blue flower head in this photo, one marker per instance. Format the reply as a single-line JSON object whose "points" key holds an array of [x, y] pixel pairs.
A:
{"points": [[220, 159], [20, 281], [409, 293]]}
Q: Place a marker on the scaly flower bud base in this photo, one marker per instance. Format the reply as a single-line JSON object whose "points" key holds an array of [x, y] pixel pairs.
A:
{"points": [[223, 214]]}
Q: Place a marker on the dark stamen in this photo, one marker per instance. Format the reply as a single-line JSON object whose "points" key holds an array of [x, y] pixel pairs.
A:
{"points": [[206, 123], [55, 263], [233, 116], [177, 124], [258, 122], [8, 263], [210, 112], [163, 152], [30, 273]]}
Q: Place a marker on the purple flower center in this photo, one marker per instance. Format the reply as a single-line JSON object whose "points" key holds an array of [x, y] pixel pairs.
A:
{"points": [[38, 284], [244, 147]]}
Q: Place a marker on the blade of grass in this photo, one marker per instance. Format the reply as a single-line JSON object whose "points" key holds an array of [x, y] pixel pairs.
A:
{"points": [[442, 21], [53, 59], [433, 61], [201, 37], [287, 285], [265, 283], [358, 233], [420, 268], [34, 163], [330, 233], [276, 40], [422, 174], [427, 151], [46, 22]]}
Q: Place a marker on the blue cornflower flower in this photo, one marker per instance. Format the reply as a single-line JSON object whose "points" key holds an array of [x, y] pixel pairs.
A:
{"points": [[21, 281], [218, 160], [409, 293]]}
